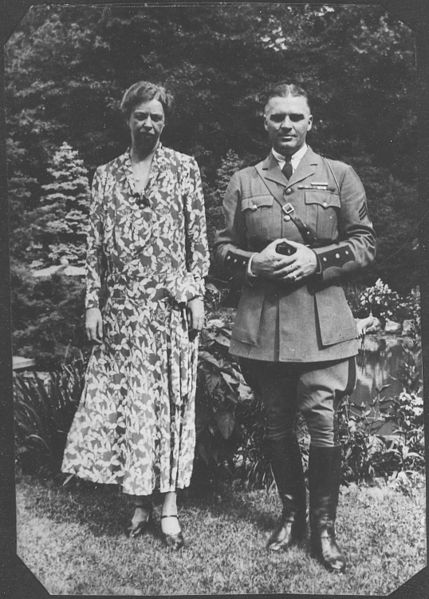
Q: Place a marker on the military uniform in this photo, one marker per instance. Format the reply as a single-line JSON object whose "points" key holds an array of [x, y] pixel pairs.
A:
{"points": [[297, 341], [308, 321]]}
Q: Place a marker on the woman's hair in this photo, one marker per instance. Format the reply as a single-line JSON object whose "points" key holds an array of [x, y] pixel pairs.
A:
{"points": [[145, 91], [284, 89]]}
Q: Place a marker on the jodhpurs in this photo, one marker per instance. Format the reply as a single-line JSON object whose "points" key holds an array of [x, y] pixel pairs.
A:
{"points": [[316, 389]]}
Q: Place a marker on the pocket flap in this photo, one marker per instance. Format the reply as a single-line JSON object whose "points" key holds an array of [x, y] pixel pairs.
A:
{"points": [[255, 202], [326, 199]]}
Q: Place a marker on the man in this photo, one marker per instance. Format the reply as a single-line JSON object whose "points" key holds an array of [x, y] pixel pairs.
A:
{"points": [[294, 333]]}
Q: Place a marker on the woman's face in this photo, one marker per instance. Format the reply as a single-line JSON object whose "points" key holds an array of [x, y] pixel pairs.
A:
{"points": [[146, 123]]}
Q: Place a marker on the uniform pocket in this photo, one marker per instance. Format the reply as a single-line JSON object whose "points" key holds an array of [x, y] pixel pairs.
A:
{"points": [[335, 319], [257, 212], [248, 317], [255, 202], [321, 213]]}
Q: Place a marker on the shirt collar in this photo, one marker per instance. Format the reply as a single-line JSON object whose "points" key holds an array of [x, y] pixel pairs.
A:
{"points": [[295, 158]]}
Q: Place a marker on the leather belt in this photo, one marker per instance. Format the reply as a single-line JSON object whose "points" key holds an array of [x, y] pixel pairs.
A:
{"points": [[307, 234]]}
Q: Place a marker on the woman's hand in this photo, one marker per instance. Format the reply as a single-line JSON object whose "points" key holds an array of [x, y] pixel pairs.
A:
{"points": [[195, 315], [94, 325]]}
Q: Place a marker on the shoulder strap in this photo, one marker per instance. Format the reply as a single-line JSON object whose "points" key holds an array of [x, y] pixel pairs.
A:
{"points": [[273, 189]]}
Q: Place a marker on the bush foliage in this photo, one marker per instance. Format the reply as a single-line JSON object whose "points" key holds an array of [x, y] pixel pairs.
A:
{"points": [[230, 419]]}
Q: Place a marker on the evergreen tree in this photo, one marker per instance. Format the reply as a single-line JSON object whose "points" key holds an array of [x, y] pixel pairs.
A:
{"points": [[60, 220]]}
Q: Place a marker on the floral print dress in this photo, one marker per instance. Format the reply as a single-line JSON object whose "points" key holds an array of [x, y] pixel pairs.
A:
{"points": [[135, 424]]}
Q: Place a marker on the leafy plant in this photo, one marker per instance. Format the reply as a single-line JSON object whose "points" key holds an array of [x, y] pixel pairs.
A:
{"points": [[383, 302], [220, 391], [48, 317], [44, 406], [368, 455]]}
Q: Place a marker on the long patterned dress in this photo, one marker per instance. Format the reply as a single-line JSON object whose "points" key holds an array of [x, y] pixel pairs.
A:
{"points": [[135, 424]]}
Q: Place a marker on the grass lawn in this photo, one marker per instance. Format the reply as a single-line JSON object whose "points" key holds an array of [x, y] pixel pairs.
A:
{"points": [[72, 539]]}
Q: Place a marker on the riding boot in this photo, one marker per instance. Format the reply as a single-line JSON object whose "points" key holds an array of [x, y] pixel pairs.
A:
{"points": [[324, 483], [286, 464]]}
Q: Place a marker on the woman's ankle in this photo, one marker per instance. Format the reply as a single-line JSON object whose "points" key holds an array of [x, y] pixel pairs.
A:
{"points": [[143, 502], [169, 506], [170, 525]]}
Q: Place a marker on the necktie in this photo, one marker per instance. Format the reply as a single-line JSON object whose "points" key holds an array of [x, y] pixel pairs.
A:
{"points": [[287, 168]]}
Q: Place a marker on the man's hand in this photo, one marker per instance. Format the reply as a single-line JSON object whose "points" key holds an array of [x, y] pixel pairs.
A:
{"points": [[94, 325], [273, 265], [195, 315]]}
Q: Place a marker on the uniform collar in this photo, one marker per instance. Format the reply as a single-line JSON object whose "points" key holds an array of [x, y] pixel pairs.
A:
{"points": [[295, 158], [270, 168]]}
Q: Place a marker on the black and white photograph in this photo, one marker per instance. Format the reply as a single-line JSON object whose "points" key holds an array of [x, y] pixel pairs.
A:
{"points": [[215, 267]]}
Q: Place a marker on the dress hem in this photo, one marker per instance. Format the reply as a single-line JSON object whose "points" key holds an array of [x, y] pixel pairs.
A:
{"points": [[162, 489]]}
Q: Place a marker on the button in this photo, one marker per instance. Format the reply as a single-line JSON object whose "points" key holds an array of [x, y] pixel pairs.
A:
{"points": [[325, 259], [337, 256], [325, 204], [286, 218], [253, 207], [289, 190]]}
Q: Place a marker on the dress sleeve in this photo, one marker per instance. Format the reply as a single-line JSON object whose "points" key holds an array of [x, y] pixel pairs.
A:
{"points": [[197, 252], [94, 250]]}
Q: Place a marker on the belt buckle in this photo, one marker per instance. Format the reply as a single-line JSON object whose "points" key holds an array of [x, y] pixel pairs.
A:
{"points": [[288, 209]]}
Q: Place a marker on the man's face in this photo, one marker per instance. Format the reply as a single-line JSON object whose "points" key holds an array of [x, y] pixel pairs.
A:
{"points": [[146, 123], [287, 121]]}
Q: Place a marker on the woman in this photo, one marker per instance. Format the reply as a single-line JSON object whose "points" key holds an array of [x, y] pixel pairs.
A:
{"points": [[147, 247]]}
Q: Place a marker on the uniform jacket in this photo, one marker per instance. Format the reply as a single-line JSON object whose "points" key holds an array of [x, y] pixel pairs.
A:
{"points": [[308, 321]]}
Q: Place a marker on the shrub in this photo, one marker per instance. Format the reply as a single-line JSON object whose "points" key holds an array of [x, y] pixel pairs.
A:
{"points": [[44, 406], [383, 302], [47, 316], [368, 455], [229, 419], [59, 223]]}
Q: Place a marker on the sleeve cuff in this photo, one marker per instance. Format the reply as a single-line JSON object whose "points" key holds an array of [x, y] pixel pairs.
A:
{"points": [[249, 272]]}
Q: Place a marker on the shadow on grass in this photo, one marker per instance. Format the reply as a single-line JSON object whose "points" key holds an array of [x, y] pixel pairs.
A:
{"points": [[105, 510], [237, 506]]}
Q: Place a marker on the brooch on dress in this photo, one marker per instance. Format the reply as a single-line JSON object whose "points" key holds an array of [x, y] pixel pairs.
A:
{"points": [[141, 200]]}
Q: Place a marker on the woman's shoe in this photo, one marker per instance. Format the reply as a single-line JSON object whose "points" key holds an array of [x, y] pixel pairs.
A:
{"points": [[141, 527], [174, 541]]}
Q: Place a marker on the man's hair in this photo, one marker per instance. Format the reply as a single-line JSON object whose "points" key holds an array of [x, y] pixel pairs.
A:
{"points": [[145, 91], [283, 89]]}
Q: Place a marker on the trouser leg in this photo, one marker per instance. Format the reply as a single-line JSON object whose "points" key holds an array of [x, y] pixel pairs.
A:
{"points": [[323, 390], [276, 386]]}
